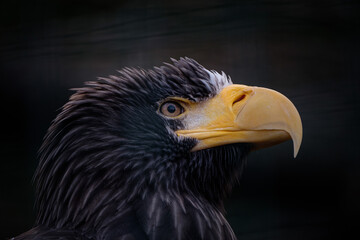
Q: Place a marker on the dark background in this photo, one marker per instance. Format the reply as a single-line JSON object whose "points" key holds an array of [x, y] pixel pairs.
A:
{"points": [[308, 50]]}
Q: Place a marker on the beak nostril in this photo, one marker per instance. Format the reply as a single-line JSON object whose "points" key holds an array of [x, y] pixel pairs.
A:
{"points": [[238, 99]]}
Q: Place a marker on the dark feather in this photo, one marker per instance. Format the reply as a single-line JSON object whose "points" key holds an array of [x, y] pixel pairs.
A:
{"points": [[112, 168]]}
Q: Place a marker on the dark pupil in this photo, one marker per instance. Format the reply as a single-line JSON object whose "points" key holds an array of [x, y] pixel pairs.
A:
{"points": [[171, 108]]}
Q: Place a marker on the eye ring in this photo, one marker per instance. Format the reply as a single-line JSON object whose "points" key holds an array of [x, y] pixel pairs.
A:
{"points": [[171, 109]]}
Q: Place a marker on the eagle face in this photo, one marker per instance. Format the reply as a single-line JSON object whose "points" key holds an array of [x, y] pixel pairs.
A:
{"points": [[144, 143]]}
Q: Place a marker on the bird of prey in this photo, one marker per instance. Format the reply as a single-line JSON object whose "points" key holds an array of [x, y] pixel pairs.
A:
{"points": [[151, 154]]}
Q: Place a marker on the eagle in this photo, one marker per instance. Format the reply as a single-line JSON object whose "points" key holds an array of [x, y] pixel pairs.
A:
{"points": [[152, 154]]}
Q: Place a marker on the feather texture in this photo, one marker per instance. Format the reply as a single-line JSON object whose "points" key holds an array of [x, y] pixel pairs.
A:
{"points": [[112, 168]]}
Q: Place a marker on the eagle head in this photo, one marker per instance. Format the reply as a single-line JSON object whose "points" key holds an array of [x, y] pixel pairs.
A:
{"points": [[162, 146]]}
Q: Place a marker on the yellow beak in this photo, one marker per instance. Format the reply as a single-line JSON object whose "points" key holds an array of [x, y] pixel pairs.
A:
{"points": [[243, 114]]}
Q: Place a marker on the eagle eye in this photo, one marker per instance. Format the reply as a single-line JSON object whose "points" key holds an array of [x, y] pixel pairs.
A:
{"points": [[171, 109]]}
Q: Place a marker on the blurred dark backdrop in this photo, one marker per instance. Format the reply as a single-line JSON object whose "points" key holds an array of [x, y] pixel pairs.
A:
{"points": [[308, 50]]}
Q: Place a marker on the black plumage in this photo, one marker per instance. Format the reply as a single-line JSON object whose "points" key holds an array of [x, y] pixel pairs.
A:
{"points": [[111, 167]]}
